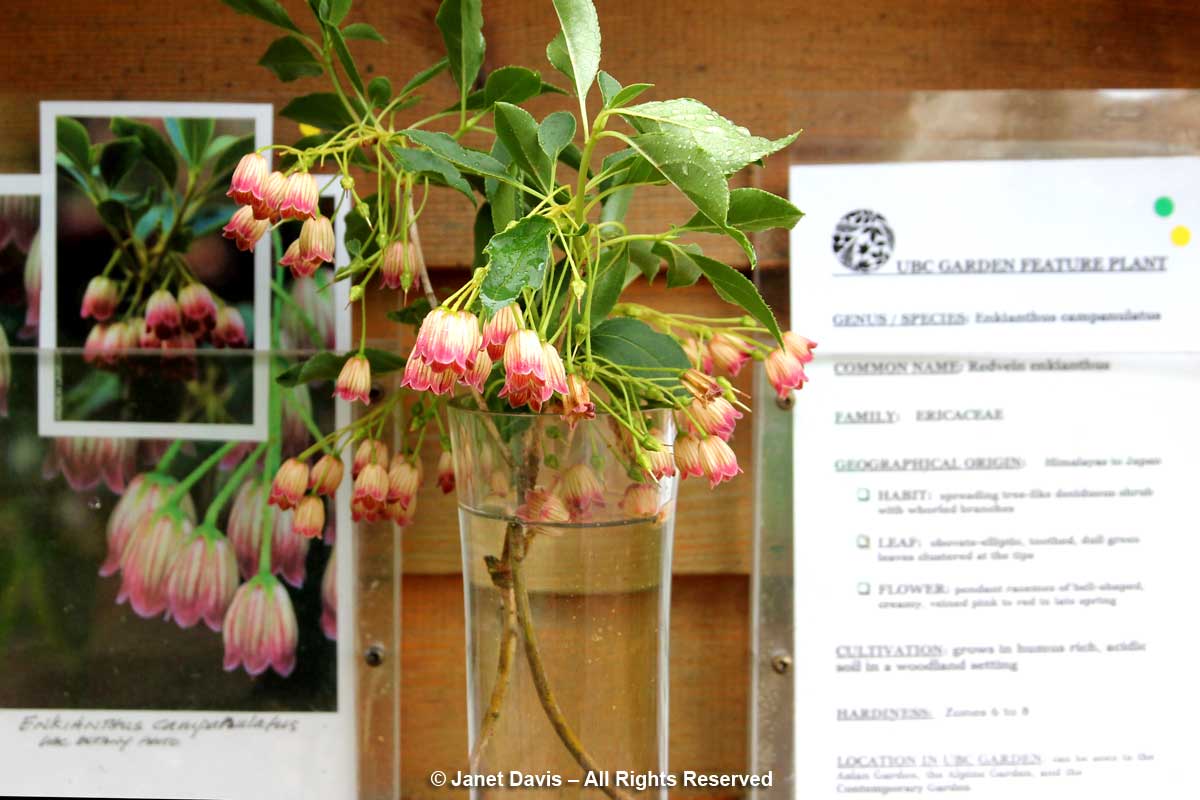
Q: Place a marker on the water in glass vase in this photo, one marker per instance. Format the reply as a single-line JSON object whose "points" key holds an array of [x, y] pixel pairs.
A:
{"points": [[592, 694]]}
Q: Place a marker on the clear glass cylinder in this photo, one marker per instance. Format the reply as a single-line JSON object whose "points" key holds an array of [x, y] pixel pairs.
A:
{"points": [[566, 546]]}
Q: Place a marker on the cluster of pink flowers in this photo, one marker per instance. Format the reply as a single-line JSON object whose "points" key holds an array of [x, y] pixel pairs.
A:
{"points": [[267, 198]]}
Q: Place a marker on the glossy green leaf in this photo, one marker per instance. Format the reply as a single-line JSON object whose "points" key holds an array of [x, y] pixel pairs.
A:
{"points": [[379, 91], [464, 158], [433, 166], [751, 210], [112, 212], [338, 9], [289, 59], [734, 287], [425, 76], [639, 349], [518, 130], [609, 283], [518, 258], [690, 169], [343, 54], [191, 136], [643, 258], [154, 148], [581, 38], [461, 24], [483, 229], [559, 58], [73, 141], [627, 95], [363, 31], [506, 84], [118, 157], [730, 146], [321, 110], [502, 197], [682, 270], [609, 86], [266, 10], [556, 132]]}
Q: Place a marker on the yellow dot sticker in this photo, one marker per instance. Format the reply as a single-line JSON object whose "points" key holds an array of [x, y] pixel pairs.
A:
{"points": [[1180, 235]]}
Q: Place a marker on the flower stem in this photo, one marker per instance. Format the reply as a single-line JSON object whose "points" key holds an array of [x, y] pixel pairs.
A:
{"points": [[198, 473], [164, 463], [235, 480]]}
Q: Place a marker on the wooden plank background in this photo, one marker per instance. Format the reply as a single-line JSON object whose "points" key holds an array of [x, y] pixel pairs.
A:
{"points": [[747, 59]]}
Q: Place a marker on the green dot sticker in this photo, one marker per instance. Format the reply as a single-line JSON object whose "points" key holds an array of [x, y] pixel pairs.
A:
{"points": [[1164, 206]]}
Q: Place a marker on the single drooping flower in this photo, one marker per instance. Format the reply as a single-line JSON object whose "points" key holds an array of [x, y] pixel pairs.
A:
{"points": [[33, 288], [153, 547], [785, 372], [581, 490], [289, 484], [273, 192], [249, 180], [85, 461], [659, 463], [309, 518], [100, 299], [244, 229], [314, 304], [448, 340], [299, 266], [445, 472], [370, 451], [230, 330], [698, 353], [399, 266], [316, 241], [798, 346], [498, 328], [245, 530], [354, 381], [528, 378], [640, 500], [541, 506], [403, 481], [329, 597], [577, 401], [260, 629], [201, 581], [5, 372], [198, 309], [701, 385], [326, 475], [371, 487], [289, 550], [292, 428], [717, 460], [119, 339], [401, 516], [717, 417], [146, 494], [300, 197], [93, 345], [162, 315], [728, 353], [687, 456]]}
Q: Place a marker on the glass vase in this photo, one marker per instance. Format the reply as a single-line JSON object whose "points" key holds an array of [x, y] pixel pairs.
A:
{"points": [[566, 547]]}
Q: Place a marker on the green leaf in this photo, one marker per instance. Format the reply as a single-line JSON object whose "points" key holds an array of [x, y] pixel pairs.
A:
{"points": [[641, 256], [502, 197], [506, 84], [690, 169], [751, 210], [736, 288], [266, 10], [154, 147], [518, 130], [379, 91], [628, 95], [425, 76], [338, 9], [438, 169], [518, 258], [112, 212], [483, 231], [383, 361], [326, 366], [581, 38], [616, 205], [681, 269], [609, 86], [73, 141], [118, 157], [412, 314], [559, 58], [642, 351], [289, 59], [191, 136], [556, 132], [343, 54], [320, 109], [461, 24], [609, 282], [361, 30], [729, 146], [471, 160]]}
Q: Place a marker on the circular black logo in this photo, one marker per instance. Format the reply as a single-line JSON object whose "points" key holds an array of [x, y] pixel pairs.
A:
{"points": [[863, 240]]}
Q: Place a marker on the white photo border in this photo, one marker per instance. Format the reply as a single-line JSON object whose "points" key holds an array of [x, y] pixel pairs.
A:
{"points": [[49, 422]]}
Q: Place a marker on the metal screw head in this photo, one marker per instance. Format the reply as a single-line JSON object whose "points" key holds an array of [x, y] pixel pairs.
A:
{"points": [[373, 656], [786, 403], [781, 663]]}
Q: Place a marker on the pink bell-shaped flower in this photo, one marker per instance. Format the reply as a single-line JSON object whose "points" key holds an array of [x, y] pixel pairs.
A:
{"points": [[201, 581], [260, 629]]}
